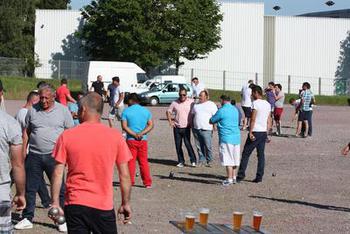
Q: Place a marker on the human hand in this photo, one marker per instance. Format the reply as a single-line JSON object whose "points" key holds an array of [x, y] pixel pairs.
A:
{"points": [[19, 201], [139, 136], [252, 137], [172, 124], [124, 210], [60, 212], [345, 150]]}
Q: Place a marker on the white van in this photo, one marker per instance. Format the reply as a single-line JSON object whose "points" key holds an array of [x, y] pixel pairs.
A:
{"points": [[131, 76], [148, 84]]}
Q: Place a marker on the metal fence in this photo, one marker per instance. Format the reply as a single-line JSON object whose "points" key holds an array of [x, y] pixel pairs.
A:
{"points": [[12, 66], [233, 81], [213, 79]]}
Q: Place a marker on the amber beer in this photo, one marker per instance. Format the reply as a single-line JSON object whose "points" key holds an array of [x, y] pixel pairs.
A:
{"points": [[189, 222], [257, 217], [203, 216], [237, 220]]}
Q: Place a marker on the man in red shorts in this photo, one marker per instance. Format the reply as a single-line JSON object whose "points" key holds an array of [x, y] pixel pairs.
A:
{"points": [[278, 110], [90, 151]]}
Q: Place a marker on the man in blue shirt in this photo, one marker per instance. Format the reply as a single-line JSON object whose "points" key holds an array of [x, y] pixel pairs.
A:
{"points": [[73, 108], [137, 123], [305, 110], [226, 119]]}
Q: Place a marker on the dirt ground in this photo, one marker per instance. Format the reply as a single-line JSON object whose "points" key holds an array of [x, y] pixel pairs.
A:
{"points": [[309, 194]]}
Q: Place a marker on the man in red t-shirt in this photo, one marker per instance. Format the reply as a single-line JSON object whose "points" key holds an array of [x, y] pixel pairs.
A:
{"points": [[63, 94], [90, 152]]}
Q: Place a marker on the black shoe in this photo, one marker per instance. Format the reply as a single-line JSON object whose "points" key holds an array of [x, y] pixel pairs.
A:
{"points": [[257, 180], [239, 179]]}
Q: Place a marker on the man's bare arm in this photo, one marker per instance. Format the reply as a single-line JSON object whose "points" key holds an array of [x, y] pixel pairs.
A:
{"points": [[127, 129], [56, 182], [170, 120], [121, 99], [269, 123], [125, 189], [19, 176], [148, 128], [71, 99], [252, 122], [25, 139]]}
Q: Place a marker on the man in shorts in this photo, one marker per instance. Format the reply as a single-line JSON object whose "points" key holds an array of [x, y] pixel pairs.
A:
{"points": [[246, 103], [260, 124], [226, 119], [277, 113], [91, 151], [116, 101], [304, 109]]}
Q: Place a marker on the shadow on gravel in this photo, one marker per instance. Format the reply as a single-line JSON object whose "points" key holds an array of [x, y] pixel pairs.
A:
{"points": [[204, 175], [183, 179], [117, 184], [304, 203], [166, 162]]}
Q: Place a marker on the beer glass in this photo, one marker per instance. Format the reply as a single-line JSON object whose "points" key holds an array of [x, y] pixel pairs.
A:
{"points": [[257, 217], [189, 221], [237, 220], [203, 216]]}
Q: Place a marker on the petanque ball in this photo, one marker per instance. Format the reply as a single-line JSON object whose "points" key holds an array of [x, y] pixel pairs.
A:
{"points": [[137, 174], [53, 212], [61, 220], [273, 174]]}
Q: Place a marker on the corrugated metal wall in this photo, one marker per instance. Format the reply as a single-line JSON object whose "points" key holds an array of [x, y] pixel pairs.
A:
{"points": [[241, 54], [52, 27], [308, 48]]}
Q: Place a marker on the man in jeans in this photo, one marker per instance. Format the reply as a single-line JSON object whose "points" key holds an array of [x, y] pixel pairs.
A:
{"points": [[10, 157], [44, 123], [260, 124], [181, 125], [90, 151], [137, 123], [202, 129]]}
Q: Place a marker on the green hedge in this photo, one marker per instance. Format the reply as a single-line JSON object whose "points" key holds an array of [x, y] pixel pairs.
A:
{"points": [[17, 88], [320, 100]]}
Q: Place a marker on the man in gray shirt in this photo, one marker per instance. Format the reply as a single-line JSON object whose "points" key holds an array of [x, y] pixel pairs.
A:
{"points": [[10, 156], [44, 123]]}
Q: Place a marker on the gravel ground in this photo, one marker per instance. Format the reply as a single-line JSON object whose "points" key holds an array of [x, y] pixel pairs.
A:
{"points": [[309, 194]]}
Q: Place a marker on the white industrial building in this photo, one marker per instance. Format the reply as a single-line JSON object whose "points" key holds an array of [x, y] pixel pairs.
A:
{"points": [[288, 50]]}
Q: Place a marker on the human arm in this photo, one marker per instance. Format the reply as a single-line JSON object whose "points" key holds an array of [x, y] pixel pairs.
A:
{"points": [[125, 190], [252, 124], [126, 128], [120, 100], [56, 183], [19, 176], [146, 130], [70, 98], [169, 115], [25, 139], [215, 118]]}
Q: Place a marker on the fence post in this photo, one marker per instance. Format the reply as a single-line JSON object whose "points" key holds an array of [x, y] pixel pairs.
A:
{"points": [[59, 70], [319, 86], [289, 84], [192, 73], [256, 78], [224, 80]]}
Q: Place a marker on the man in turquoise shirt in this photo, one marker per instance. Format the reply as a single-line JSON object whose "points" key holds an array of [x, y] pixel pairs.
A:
{"points": [[227, 120], [137, 123]]}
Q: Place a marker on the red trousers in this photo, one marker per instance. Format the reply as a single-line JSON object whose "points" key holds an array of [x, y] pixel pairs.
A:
{"points": [[139, 151]]}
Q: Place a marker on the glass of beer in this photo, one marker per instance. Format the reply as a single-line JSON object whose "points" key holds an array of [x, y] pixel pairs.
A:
{"points": [[189, 221], [257, 217], [237, 220], [203, 216]]}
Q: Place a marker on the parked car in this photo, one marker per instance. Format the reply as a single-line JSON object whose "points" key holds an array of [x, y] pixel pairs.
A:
{"points": [[149, 84], [164, 93]]}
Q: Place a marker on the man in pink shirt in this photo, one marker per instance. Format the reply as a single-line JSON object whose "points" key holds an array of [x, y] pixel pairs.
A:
{"points": [[181, 124], [63, 93]]}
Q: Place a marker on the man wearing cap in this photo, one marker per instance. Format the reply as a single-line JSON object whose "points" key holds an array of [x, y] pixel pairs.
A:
{"points": [[226, 119]]}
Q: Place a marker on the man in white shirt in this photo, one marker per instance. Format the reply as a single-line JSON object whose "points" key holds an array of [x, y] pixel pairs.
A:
{"points": [[116, 102], [246, 103], [260, 124], [197, 87], [202, 129]]}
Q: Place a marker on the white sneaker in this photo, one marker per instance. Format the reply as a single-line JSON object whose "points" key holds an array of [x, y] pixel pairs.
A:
{"points": [[193, 164], [180, 165], [24, 224], [62, 227]]}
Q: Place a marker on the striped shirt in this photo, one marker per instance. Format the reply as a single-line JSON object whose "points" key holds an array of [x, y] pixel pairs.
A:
{"points": [[306, 97]]}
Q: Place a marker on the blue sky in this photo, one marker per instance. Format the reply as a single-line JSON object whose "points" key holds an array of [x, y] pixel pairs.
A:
{"points": [[289, 7]]}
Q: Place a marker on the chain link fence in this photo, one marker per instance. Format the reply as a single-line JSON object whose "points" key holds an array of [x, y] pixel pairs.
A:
{"points": [[213, 79]]}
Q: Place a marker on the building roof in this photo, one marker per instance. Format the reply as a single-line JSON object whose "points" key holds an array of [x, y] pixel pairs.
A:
{"points": [[330, 14]]}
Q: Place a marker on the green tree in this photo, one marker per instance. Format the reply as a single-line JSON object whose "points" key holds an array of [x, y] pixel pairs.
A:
{"points": [[151, 32], [342, 74], [52, 4]]}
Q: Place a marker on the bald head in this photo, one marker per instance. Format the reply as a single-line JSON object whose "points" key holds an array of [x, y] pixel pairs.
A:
{"points": [[92, 103]]}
